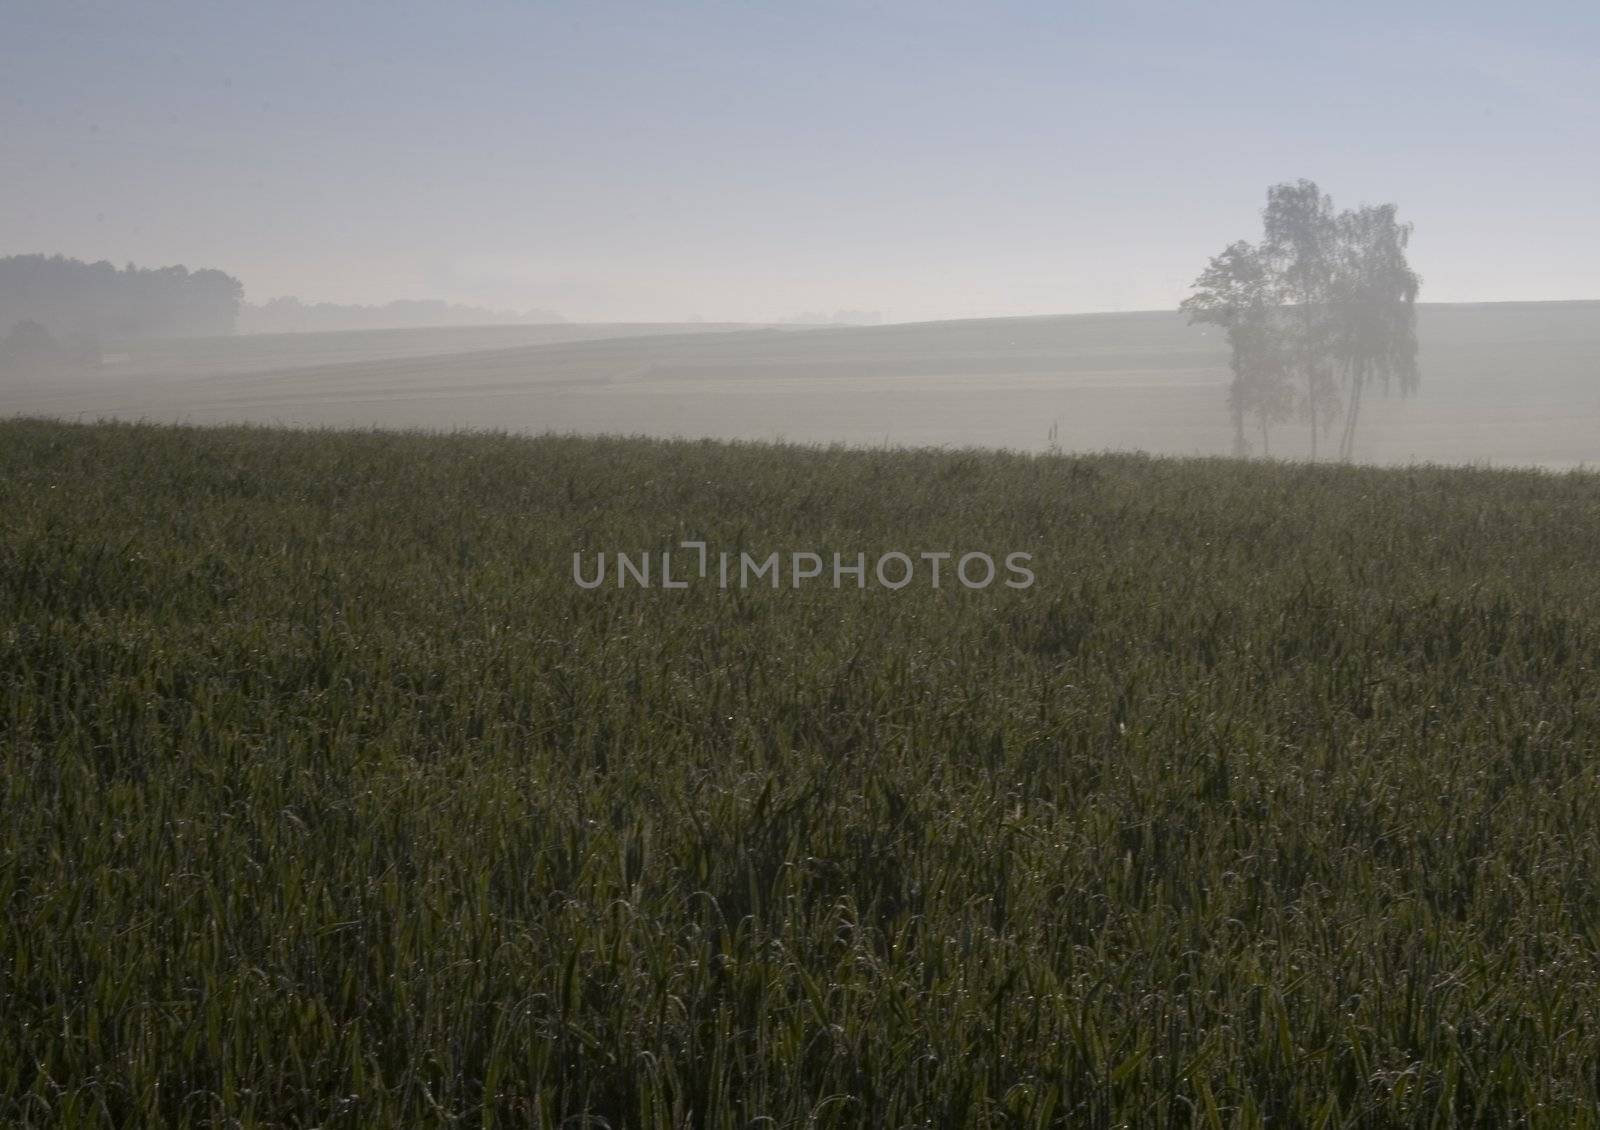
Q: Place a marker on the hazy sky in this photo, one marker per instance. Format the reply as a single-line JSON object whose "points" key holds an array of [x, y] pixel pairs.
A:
{"points": [[753, 160]]}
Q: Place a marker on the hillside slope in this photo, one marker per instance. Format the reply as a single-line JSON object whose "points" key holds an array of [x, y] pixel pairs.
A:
{"points": [[1511, 383]]}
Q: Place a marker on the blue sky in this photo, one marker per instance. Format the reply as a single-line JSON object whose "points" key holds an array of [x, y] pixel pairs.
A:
{"points": [[753, 160]]}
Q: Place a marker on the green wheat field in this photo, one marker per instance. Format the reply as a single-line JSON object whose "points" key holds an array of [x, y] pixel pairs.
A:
{"points": [[328, 799]]}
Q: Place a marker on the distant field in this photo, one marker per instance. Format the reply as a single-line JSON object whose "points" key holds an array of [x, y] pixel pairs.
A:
{"points": [[330, 800], [1508, 384], [258, 353]]}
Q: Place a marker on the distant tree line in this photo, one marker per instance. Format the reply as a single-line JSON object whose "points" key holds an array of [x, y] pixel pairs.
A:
{"points": [[837, 318], [96, 302], [1317, 314], [290, 315]]}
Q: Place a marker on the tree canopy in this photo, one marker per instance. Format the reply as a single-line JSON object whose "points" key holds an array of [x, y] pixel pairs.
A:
{"points": [[1320, 310], [97, 301]]}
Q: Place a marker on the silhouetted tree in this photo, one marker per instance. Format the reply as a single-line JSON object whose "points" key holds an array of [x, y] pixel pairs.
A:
{"points": [[1374, 304], [30, 349], [1323, 308], [1299, 231], [1236, 293]]}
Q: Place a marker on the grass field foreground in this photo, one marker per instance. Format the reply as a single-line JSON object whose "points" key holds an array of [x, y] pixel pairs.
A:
{"points": [[327, 797]]}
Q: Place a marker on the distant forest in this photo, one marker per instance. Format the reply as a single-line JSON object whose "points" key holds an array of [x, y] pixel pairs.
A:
{"points": [[97, 302], [290, 315], [87, 305]]}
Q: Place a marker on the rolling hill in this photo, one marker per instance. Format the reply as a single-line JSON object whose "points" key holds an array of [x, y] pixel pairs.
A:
{"points": [[1504, 383]]}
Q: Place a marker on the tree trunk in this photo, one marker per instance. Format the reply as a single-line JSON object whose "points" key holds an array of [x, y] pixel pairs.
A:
{"points": [[1311, 391], [1347, 447], [1311, 366]]}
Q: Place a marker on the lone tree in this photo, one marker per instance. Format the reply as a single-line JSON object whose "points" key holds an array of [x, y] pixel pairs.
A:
{"points": [[1234, 294], [1321, 309], [1375, 330], [29, 348]]}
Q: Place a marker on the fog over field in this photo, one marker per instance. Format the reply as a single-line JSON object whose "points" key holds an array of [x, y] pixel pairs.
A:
{"points": [[812, 566], [892, 224], [1503, 384]]}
